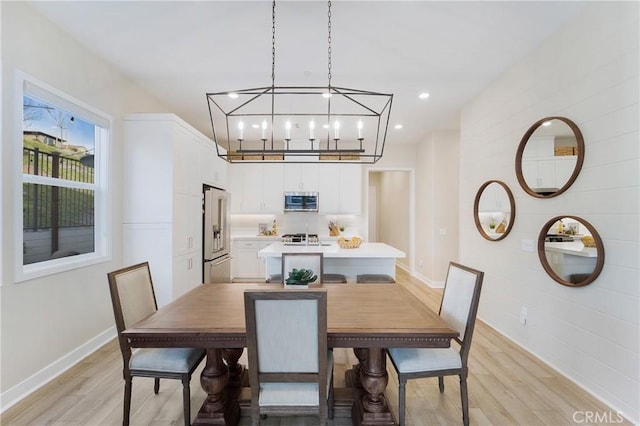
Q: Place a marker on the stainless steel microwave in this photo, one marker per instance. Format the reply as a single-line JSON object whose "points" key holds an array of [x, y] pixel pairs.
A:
{"points": [[300, 201]]}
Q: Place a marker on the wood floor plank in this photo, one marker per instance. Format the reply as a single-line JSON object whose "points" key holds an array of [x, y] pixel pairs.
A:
{"points": [[507, 386]]}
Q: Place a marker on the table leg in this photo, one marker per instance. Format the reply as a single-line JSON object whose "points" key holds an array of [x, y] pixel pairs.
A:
{"points": [[237, 372], [372, 408], [352, 377], [217, 408]]}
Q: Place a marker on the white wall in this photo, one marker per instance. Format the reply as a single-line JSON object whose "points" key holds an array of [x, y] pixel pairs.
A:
{"points": [[394, 212], [587, 72], [437, 205], [50, 322]]}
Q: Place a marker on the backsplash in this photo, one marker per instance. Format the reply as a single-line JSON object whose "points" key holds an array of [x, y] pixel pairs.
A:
{"points": [[290, 223]]}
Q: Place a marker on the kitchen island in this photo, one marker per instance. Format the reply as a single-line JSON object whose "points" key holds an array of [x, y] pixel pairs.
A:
{"points": [[569, 259], [369, 258]]}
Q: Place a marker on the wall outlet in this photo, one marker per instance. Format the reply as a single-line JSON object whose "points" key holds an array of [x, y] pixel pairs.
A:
{"points": [[523, 315]]}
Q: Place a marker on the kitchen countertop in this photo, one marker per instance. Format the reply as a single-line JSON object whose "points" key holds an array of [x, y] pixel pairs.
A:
{"points": [[331, 250], [256, 237], [575, 248]]}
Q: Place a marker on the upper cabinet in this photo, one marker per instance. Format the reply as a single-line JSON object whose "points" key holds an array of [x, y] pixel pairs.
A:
{"points": [[340, 189], [257, 188], [300, 177]]}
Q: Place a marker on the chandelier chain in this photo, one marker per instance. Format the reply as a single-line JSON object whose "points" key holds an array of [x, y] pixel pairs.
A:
{"points": [[329, 40], [273, 44]]}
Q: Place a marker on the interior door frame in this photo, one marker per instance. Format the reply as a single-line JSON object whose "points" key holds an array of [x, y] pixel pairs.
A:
{"points": [[412, 208]]}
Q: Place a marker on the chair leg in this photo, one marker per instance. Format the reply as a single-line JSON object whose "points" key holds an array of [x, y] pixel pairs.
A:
{"points": [[401, 400], [186, 399], [156, 385], [441, 383], [330, 402], [127, 400], [465, 399]]}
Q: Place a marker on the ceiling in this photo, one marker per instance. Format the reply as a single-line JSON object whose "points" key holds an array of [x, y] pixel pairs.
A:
{"points": [[179, 50]]}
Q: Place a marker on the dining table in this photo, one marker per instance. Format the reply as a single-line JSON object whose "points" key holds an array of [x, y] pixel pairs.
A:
{"points": [[366, 317]]}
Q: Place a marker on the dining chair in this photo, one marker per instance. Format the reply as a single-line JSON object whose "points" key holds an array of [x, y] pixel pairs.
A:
{"points": [[313, 261], [290, 366], [458, 308], [133, 299]]}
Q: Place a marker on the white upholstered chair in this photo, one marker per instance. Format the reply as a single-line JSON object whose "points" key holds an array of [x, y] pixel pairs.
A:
{"points": [[458, 308], [133, 299], [290, 367], [311, 261]]}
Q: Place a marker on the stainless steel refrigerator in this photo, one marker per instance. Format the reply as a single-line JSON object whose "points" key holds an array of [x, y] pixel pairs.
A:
{"points": [[216, 242]]}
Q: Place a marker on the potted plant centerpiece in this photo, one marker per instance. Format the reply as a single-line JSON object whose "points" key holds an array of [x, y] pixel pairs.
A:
{"points": [[300, 278]]}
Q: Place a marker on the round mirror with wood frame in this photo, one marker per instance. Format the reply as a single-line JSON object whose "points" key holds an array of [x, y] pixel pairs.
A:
{"points": [[571, 251], [549, 157], [494, 210]]}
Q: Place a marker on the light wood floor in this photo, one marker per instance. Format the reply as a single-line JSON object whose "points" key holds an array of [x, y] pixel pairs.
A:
{"points": [[507, 386]]}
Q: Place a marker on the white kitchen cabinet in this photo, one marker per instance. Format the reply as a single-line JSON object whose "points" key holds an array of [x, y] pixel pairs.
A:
{"points": [[494, 199], [340, 188], [301, 177], [166, 162], [245, 263], [537, 147], [213, 169], [257, 188]]}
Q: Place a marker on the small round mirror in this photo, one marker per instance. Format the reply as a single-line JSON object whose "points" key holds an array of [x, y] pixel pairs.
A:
{"points": [[549, 157], [571, 251], [494, 210]]}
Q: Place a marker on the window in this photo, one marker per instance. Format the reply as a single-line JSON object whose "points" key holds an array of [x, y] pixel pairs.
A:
{"points": [[63, 193]]}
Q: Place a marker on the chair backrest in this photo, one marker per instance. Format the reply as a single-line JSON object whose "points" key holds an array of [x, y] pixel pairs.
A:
{"points": [[311, 261], [132, 297], [286, 337], [460, 300]]}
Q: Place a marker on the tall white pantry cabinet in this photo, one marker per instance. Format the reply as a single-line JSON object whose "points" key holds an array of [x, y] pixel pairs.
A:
{"points": [[166, 162]]}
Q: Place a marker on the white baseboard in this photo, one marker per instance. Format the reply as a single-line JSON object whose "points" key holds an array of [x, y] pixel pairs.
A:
{"points": [[18, 392], [430, 283]]}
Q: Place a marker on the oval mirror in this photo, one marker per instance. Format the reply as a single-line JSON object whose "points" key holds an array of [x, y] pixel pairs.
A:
{"points": [[549, 157], [494, 210], [571, 251]]}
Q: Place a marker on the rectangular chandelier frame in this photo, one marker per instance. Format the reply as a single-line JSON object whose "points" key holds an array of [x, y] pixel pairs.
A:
{"points": [[353, 124]]}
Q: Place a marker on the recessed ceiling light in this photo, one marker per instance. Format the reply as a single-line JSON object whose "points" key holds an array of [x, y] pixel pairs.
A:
{"points": [[233, 95], [326, 95], [398, 126], [547, 123], [255, 126], [423, 95]]}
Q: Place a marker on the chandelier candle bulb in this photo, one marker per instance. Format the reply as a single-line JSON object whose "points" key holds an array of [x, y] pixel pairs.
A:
{"points": [[264, 129], [287, 130], [359, 129], [312, 125], [336, 129], [240, 131]]}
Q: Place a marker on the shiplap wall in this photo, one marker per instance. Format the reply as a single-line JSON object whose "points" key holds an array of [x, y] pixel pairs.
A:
{"points": [[588, 72]]}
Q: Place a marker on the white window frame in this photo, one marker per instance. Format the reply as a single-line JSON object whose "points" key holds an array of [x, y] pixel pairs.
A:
{"points": [[102, 234]]}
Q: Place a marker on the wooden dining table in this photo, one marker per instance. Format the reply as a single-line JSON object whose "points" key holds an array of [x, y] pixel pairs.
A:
{"points": [[366, 317]]}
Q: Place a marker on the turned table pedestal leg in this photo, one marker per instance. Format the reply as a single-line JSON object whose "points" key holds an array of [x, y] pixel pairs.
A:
{"points": [[371, 408], [218, 408]]}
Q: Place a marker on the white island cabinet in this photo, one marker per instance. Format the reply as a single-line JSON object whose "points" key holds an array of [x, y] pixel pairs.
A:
{"points": [[369, 258], [165, 163]]}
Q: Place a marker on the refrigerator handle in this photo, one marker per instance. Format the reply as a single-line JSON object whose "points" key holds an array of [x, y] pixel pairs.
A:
{"points": [[222, 219]]}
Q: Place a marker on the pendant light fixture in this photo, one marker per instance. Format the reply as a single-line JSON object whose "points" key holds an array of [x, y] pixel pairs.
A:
{"points": [[300, 123]]}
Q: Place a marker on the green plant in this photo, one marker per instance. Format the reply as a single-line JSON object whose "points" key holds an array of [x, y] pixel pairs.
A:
{"points": [[301, 277]]}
